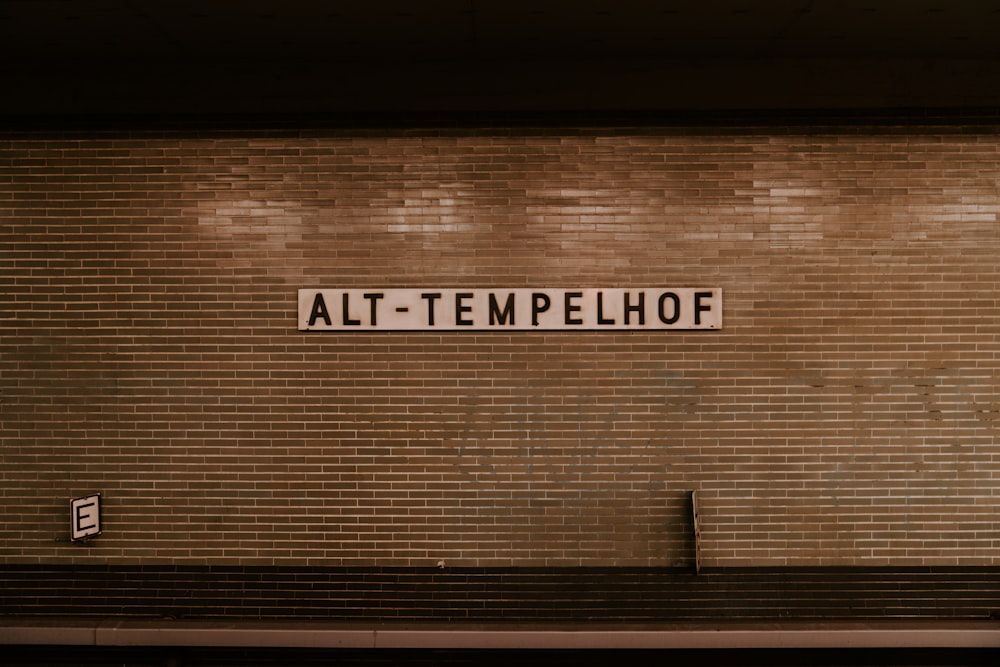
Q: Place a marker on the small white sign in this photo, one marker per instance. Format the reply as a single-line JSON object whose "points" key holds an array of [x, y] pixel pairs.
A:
{"points": [[85, 517], [510, 309]]}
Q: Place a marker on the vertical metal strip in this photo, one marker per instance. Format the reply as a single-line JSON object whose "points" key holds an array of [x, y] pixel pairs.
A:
{"points": [[697, 532]]}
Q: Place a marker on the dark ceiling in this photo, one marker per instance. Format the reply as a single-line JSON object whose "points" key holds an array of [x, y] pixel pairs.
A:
{"points": [[211, 56]]}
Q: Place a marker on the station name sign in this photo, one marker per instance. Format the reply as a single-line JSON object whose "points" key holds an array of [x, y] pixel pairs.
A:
{"points": [[510, 309]]}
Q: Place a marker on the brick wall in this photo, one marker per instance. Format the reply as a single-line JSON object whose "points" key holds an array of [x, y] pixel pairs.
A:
{"points": [[846, 414]]}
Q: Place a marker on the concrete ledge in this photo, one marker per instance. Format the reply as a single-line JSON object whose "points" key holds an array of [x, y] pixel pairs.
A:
{"points": [[117, 632]]}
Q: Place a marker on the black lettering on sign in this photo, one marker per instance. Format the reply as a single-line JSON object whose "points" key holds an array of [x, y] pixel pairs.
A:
{"points": [[461, 308], [572, 308], [501, 317], [319, 310], [540, 302], [677, 307], [346, 313], [373, 298], [430, 296], [699, 308], [509, 308], [600, 311], [82, 516], [638, 308]]}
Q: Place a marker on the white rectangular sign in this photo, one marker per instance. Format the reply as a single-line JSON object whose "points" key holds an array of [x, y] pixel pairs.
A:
{"points": [[510, 309], [85, 517]]}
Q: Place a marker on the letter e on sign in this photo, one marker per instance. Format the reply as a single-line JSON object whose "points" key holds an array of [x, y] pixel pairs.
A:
{"points": [[85, 517]]}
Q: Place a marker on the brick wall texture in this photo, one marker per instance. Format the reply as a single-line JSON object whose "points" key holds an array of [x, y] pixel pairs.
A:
{"points": [[846, 414]]}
